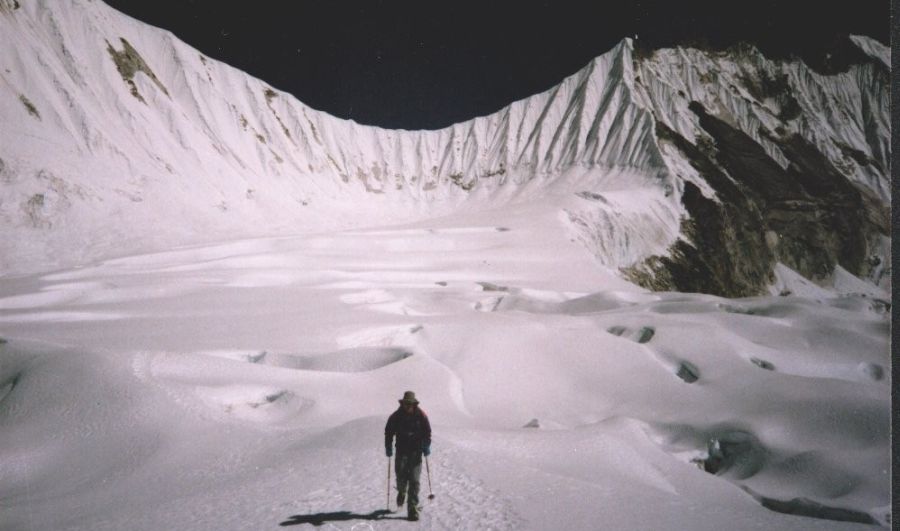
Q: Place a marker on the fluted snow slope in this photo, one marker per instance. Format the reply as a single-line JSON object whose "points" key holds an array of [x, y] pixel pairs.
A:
{"points": [[840, 114], [197, 149], [121, 138]]}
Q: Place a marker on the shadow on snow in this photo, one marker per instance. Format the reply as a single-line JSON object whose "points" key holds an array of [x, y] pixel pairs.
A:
{"points": [[318, 519]]}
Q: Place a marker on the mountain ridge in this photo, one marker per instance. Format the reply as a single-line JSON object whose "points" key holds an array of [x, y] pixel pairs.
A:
{"points": [[218, 151]]}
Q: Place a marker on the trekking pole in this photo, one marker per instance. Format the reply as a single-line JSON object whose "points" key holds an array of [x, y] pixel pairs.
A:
{"points": [[428, 471], [388, 504]]}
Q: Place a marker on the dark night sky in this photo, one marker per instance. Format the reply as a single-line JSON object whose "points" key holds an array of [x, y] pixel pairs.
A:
{"points": [[428, 64]]}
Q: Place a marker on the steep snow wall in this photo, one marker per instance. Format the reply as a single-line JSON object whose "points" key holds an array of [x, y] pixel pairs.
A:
{"points": [[117, 137]]}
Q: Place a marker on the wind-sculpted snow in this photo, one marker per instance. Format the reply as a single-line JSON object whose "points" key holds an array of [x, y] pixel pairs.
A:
{"points": [[559, 397], [128, 140]]}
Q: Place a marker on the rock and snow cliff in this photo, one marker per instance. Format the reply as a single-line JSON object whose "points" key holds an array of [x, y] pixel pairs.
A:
{"points": [[798, 163], [693, 165]]}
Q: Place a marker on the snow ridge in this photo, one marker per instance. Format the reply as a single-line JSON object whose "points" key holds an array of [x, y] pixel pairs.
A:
{"points": [[129, 140]]}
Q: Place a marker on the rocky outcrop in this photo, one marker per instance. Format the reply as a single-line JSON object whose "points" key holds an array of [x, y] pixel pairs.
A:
{"points": [[771, 174], [8, 6], [807, 216], [129, 62], [723, 247]]}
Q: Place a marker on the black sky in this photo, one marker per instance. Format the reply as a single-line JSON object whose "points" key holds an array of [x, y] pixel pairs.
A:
{"points": [[428, 64]]}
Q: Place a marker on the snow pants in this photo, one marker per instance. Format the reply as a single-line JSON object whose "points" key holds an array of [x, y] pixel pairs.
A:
{"points": [[408, 467]]}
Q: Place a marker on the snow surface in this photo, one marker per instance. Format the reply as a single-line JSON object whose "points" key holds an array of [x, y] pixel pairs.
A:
{"points": [[246, 385], [151, 379]]}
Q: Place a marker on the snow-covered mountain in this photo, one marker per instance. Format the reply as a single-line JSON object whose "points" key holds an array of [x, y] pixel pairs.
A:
{"points": [[698, 171], [493, 266]]}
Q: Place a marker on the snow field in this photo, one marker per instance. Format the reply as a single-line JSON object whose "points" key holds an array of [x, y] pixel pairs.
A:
{"points": [[245, 385]]}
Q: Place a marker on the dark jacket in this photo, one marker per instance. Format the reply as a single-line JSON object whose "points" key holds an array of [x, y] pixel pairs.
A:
{"points": [[413, 431]]}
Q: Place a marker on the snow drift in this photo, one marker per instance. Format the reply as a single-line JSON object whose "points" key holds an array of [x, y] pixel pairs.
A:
{"points": [[559, 397]]}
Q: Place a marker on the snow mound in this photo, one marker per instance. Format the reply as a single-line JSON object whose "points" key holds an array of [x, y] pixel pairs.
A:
{"points": [[359, 359], [761, 408], [253, 403]]}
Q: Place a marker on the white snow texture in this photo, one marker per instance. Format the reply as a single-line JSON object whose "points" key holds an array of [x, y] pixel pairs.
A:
{"points": [[211, 296]]}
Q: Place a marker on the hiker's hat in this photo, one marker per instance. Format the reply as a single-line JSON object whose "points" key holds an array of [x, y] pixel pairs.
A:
{"points": [[409, 398]]}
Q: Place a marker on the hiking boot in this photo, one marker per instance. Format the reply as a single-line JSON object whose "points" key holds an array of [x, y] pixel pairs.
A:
{"points": [[401, 497]]}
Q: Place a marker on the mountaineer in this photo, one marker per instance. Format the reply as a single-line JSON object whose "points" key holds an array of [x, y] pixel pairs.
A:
{"points": [[410, 426]]}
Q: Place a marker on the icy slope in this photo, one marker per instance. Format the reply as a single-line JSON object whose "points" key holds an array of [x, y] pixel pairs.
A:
{"points": [[121, 138]]}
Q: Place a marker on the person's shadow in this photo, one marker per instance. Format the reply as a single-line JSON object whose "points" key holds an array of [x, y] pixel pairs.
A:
{"points": [[318, 519]]}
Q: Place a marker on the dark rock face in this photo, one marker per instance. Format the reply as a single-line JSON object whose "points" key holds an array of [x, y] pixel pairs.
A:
{"points": [[726, 252], [807, 216], [820, 218]]}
